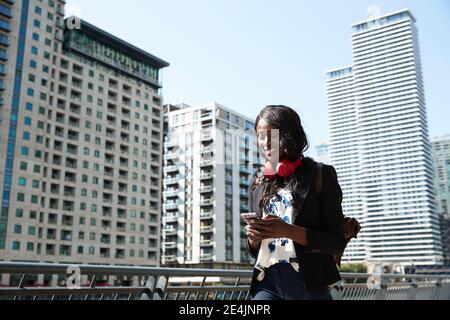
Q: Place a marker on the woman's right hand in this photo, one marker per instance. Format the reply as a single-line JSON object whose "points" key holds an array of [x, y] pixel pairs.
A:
{"points": [[253, 235]]}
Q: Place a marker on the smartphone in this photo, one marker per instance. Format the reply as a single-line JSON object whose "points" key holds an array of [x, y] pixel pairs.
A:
{"points": [[249, 215]]}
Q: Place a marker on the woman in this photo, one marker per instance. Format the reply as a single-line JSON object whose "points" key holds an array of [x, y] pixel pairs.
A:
{"points": [[300, 231]]}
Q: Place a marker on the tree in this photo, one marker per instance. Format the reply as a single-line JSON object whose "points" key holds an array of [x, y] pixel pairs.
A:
{"points": [[353, 268]]}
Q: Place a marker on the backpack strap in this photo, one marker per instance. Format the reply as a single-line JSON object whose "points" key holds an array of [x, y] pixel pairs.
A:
{"points": [[318, 181]]}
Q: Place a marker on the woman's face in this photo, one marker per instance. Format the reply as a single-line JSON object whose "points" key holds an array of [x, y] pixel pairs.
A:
{"points": [[268, 140]]}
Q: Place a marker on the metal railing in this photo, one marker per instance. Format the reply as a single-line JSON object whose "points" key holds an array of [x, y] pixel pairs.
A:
{"points": [[149, 283]]}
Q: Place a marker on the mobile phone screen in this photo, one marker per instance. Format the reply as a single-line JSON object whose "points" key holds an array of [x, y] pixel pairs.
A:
{"points": [[250, 215]]}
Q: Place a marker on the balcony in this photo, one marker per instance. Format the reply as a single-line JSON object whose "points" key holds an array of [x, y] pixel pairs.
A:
{"points": [[3, 55], [170, 218], [244, 182], [6, 11], [5, 26], [206, 150], [4, 40], [206, 215], [206, 176], [206, 137], [206, 163], [169, 245], [206, 243], [234, 284], [70, 179], [207, 256], [206, 189], [206, 202], [60, 23], [170, 144], [169, 181], [243, 193], [170, 169], [171, 156], [245, 170], [206, 229], [60, 11], [171, 193], [169, 232], [170, 206], [169, 258]]}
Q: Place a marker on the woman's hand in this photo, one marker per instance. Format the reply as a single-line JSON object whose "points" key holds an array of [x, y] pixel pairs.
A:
{"points": [[252, 233], [272, 227]]}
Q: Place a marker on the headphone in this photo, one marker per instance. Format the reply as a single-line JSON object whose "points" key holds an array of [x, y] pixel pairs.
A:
{"points": [[285, 168]]}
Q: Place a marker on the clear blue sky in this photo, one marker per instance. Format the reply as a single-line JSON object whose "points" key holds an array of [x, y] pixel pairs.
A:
{"points": [[246, 54]]}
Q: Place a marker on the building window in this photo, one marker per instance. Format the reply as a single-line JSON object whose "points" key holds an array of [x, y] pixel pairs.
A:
{"points": [[22, 182], [19, 213], [16, 245], [34, 199], [21, 197], [17, 229], [23, 166], [31, 231]]}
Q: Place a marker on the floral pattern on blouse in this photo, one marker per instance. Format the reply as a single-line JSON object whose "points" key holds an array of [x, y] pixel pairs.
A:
{"points": [[275, 251]]}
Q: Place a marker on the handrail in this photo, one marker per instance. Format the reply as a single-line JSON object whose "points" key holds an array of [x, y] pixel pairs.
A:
{"points": [[170, 283]]}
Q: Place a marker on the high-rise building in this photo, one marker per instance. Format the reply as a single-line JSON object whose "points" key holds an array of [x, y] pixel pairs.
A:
{"points": [[323, 153], [208, 162], [81, 121], [379, 144], [441, 159]]}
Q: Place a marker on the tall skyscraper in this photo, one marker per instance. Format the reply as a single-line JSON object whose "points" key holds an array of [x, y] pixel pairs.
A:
{"points": [[441, 159], [80, 141], [207, 168], [323, 153], [379, 144]]}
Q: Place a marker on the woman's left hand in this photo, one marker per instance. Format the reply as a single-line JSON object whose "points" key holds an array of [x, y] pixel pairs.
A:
{"points": [[272, 227]]}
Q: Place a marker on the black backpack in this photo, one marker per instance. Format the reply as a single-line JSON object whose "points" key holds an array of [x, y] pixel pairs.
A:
{"points": [[351, 226]]}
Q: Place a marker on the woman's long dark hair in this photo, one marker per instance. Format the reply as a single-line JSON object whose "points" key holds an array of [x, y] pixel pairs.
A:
{"points": [[293, 144]]}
